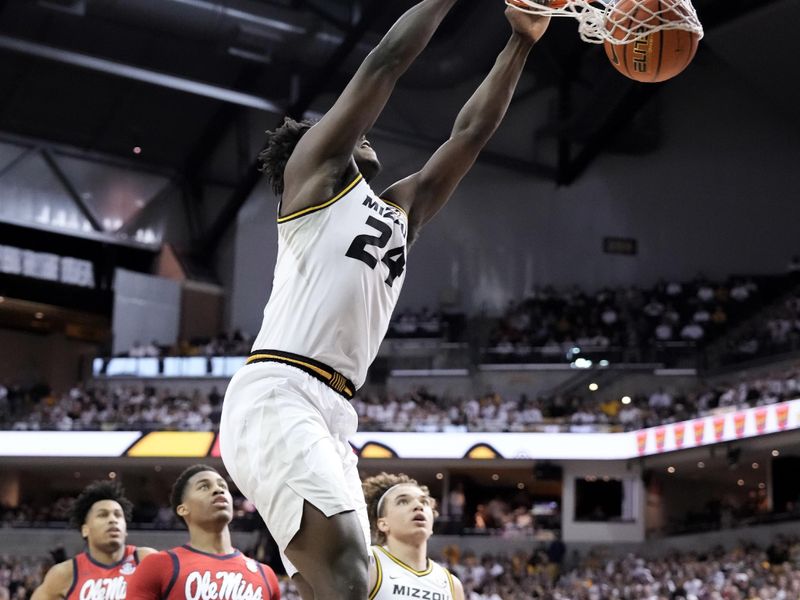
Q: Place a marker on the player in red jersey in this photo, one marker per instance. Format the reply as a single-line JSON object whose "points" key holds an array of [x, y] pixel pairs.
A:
{"points": [[101, 513], [208, 567]]}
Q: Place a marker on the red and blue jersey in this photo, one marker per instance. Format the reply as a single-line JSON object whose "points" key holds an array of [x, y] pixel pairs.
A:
{"points": [[93, 580], [185, 573]]}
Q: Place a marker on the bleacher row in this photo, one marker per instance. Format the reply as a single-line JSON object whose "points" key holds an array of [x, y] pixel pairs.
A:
{"points": [[668, 322], [106, 405]]}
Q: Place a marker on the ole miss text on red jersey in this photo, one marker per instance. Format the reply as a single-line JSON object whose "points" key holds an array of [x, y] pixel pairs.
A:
{"points": [[187, 574], [92, 580]]}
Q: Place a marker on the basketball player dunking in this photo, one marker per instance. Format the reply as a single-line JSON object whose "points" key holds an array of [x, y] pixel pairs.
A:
{"points": [[401, 514], [341, 263], [208, 567], [101, 513]]}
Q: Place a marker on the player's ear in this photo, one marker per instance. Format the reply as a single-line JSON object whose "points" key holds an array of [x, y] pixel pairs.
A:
{"points": [[182, 510], [84, 531], [383, 525]]}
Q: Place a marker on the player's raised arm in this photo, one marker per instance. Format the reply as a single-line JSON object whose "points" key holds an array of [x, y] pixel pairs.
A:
{"points": [[329, 145], [424, 193]]}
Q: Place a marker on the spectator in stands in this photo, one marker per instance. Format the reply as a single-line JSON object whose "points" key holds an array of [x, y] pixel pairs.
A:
{"points": [[4, 404], [455, 504], [742, 290], [664, 331], [673, 289], [793, 268], [705, 292], [692, 332], [660, 400]]}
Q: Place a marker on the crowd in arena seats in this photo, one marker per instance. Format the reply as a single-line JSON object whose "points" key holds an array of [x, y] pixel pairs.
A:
{"points": [[744, 573], [508, 517], [777, 332], [19, 576], [423, 411], [109, 406], [114, 407], [552, 325], [747, 572], [419, 323], [235, 343], [26, 514], [480, 513], [146, 515], [627, 324]]}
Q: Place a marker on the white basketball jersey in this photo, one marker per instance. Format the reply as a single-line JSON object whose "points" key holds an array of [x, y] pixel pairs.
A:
{"points": [[397, 581], [340, 268]]}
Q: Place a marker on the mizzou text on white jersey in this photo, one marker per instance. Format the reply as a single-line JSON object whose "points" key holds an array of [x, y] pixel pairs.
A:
{"points": [[340, 268], [397, 581]]}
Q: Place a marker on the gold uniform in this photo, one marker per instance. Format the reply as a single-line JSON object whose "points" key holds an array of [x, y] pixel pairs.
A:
{"points": [[397, 581]]}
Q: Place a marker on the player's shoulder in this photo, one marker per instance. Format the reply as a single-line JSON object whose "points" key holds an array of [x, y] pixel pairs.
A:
{"points": [[57, 582], [63, 571], [375, 554], [154, 559], [142, 552], [456, 587]]}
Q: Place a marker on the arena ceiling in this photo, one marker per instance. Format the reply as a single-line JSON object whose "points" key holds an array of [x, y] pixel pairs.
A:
{"points": [[182, 88]]}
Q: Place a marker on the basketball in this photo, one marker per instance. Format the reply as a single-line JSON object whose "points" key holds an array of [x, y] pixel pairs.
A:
{"points": [[659, 56]]}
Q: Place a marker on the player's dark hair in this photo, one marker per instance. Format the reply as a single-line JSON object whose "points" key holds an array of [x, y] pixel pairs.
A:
{"points": [[96, 492], [281, 142], [375, 487], [179, 487]]}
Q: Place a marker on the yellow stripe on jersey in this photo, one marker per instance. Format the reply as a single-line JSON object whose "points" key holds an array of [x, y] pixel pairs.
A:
{"points": [[379, 579], [452, 585], [311, 209], [405, 566], [336, 380], [256, 357], [330, 377], [397, 206]]}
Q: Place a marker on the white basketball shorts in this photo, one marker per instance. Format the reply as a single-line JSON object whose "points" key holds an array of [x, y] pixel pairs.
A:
{"points": [[284, 439]]}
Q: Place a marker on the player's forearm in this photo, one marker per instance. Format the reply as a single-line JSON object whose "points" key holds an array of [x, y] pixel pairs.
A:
{"points": [[484, 111], [409, 36]]}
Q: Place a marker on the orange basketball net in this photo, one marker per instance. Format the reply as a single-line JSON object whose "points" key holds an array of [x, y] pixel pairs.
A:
{"points": [[598, 22]]}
